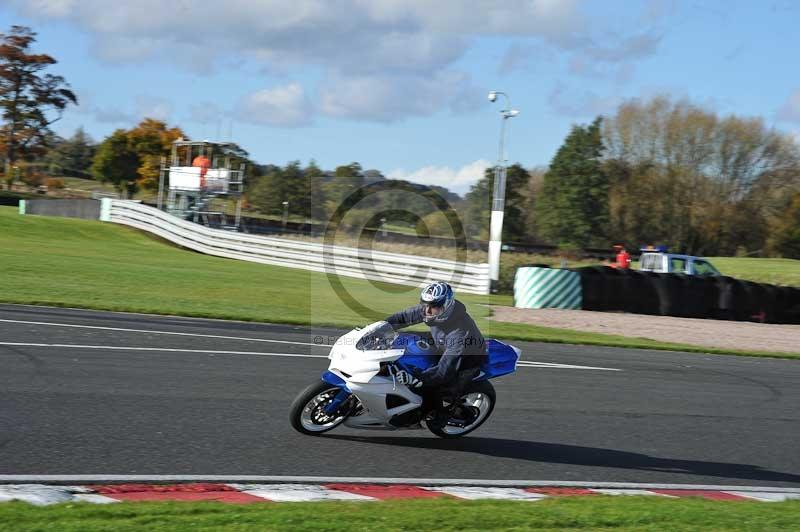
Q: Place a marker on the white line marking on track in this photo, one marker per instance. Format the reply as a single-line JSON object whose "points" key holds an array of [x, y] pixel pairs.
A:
{"points": [[167, 349], [523, 363], [253, 353], [532, 364], [51, 324]]}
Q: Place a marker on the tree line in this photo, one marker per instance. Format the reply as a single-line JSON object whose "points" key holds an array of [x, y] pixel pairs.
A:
{"points": [[658, 171], [668, 172]]}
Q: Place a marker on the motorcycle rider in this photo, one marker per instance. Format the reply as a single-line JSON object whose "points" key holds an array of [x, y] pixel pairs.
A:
{"points": [[454, 334]]}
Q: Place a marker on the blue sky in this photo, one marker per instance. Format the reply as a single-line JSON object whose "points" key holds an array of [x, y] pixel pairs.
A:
{"points": [[400, 85]]}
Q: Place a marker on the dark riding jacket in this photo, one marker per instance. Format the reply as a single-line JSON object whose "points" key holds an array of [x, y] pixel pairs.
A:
{"points": [[458, 340]]}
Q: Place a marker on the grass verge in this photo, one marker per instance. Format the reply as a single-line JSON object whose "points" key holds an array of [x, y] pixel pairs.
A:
{"points": [[86, 264], [784, 272], [568, 513]]}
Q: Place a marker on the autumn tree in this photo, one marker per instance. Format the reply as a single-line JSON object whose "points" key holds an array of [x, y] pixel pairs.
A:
{"points": [[785, 239], [151, 140], [131, 159], [31, 100], [683, 176], [116, 162]]}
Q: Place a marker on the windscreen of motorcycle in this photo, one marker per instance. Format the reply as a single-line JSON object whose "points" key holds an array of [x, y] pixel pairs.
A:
{"points": [[359, 365]]}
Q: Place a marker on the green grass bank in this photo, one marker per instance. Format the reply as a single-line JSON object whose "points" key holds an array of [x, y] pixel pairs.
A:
{"points": [[87, 264], [622, 513]]}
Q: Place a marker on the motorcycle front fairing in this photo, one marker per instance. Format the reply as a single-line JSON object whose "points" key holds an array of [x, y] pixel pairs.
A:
{"points": [[358, 356], [356, 371]]}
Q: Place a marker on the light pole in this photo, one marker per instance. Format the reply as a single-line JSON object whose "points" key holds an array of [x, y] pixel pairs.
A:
{"points": [[285, 213], [499, 193]]}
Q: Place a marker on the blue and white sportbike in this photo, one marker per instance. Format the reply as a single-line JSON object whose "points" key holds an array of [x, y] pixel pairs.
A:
{"points": [[365, 386]]}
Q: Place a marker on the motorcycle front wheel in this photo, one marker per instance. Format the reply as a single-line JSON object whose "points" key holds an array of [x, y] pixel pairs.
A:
{"points": [[477, 395], [307, 413]]}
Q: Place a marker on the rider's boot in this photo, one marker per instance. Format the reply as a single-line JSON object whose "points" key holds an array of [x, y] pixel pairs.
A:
{"points": [[463, 415]]}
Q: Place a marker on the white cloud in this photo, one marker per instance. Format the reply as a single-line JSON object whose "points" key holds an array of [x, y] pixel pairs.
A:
{"points": [[625, 48], [351, 35], [585, 104], [790, 110], [143, 106], [457, 180], [51, 8], [620, 73], [404, 51], [615, 57], [390, 98], [521, 56], [286, 105]]}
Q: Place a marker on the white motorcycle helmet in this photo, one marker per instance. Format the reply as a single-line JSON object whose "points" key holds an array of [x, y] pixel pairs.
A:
{"points": [[438, 300]]}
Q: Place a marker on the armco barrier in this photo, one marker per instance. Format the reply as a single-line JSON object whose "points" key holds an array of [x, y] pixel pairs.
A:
{"points": [[547, 288], [681, 295], [343, 261]]}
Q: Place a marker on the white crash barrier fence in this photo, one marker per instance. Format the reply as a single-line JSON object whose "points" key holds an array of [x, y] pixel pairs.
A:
{"points": [[337, 260]]}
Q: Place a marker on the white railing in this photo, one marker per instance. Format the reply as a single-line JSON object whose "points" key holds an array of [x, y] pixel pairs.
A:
{"points": [[337, 260]]}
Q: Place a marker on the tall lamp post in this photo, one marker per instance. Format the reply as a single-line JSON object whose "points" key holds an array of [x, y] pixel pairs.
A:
{"points": [[285, 214], [499, 193]]}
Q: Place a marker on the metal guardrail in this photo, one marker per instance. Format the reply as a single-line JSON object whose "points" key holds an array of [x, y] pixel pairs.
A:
{"points": [[336, 260]]}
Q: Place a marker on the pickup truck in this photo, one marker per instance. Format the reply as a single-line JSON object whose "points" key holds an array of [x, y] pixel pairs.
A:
{"points": [[658, 260]]}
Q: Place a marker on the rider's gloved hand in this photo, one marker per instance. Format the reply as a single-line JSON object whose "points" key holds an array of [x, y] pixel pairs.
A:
{"points": [[409, 378], [416, 372]]}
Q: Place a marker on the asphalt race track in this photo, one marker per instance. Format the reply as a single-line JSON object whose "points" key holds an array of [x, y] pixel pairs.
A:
{"points": [[95, 399]]}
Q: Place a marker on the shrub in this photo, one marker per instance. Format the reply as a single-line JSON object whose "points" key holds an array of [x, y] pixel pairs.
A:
{"points": [[33, 179], [54, 182]]}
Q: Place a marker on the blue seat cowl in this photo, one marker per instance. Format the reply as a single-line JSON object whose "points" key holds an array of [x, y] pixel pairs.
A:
{"points": [[502, 359]]}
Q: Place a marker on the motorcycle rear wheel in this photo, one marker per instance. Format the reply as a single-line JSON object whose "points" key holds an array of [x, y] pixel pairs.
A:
{"points": [[307, 414], [480, 395]]}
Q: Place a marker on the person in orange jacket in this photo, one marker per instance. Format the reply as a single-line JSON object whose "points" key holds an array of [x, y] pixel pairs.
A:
{"points": [[623, 258], [204, 163]]}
